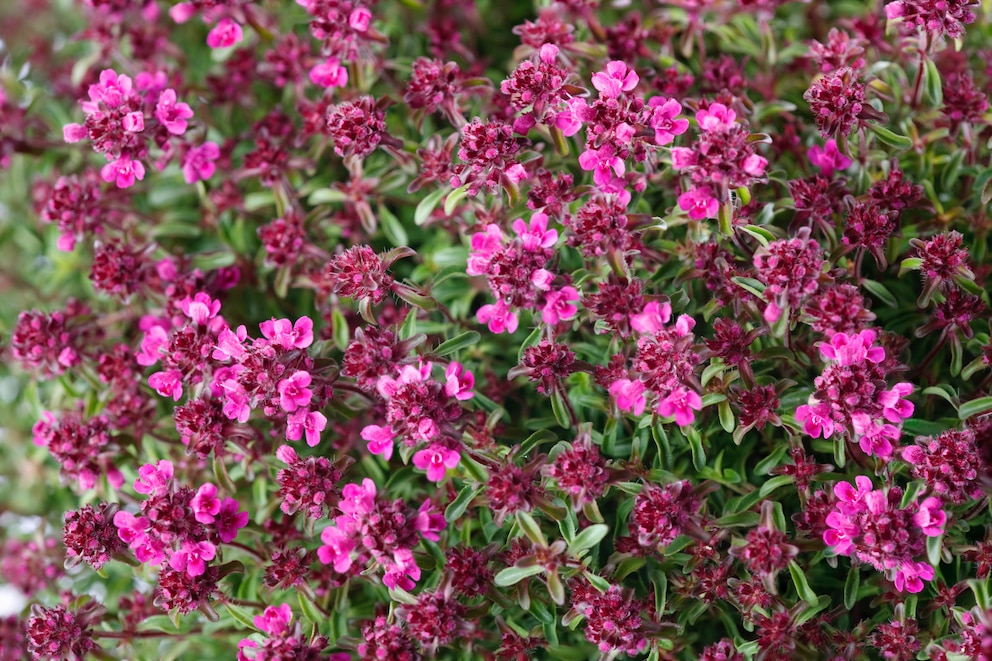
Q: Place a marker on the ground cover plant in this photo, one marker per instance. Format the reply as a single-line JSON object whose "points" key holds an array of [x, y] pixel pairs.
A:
{"points": [[344, 329]]}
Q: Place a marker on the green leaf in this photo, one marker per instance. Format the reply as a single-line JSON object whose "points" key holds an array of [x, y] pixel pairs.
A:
{"points": [[762, 235], [560, 409], [392, 227], [910, 264], [974, 407], [750, 284], [851, 587], [934, 546], [513, 575], [241, 615], [802, 585], [454, 198], [427, 206], [597, 581], [726, 417], [457, 343], [530, 528], [890, 138], [696, 446], [456, 508], [588, 538], [340, 329], [878, 290], [320, 196], [775, 483], [931, 83], [309, 609]]}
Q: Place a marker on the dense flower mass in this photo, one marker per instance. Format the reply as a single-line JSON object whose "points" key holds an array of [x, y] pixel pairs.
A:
{"points": [[374, 330]]}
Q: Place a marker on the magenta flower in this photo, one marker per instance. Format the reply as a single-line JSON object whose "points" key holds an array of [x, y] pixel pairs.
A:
{"points": [[535, 235], [629, 395], [198, 164], [828, 158], [171, 114], [123, 172], [289, 335], [909, 576], [665, 120], [74, 133], [458, 381], [681, 403], [294, 392], [192, 557], [717, 117], [337, 549], [653, 318], [931, 518], [329, 74], [230, 520], [306, 422], [429, 523], [359, 19], [850, 349], [569, 121], [111, 90], [874, 438], [225, 34], [358, 500], [205, 503], [558, 305], [616, 79], [200, 308], [380, 440], [133, 122], [274, 620], [604, 162], [168, 383], [498, 316], [230, 345], [154, 478], [484, 246], [699, 203], [155, 338], [894, 407], [436, 460], [816, 420]]}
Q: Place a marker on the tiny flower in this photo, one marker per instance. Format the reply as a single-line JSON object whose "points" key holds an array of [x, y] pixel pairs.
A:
{"points": [[717, 117], [436, 460], [289, 336], [225, 34], [168, 383], [816, 420], [74, 132], [182, 12], [359, 19], [192, 557], [458, 381], [230, 520], [498, 316], [699, 203], [154, 478], [294, 392], [198, 164], [616, 79], [205, 503], [542, 279], [828, 158], [171, 114], [336, 550], [755, 165], [429, 523], [664, 120], [133, 122], [909, 576], [329, 73], [380, 440], [681, 403], [629, 395], [536, 234], [230, 344], [274, 620], [683, 157], [558, 305], [358, 500], [603, 162], [653, 318], [200, 308], [309, 422], [123, 172]]}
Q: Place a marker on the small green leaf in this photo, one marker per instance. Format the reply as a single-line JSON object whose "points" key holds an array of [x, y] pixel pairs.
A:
{"points": [[457, 343], [762, 235], [726, 417], [696, 446], [802, 585], [309, 609], [321, 196], [890, 138], [560, 409], [241, 615], [878, 290], [340, 329], [932, 84], [588, 538], [851, 587], [392, 227], [597, 581], [974, 407], [756, 287], [910, 264], [775, 483], [454, 198], [556, 589], [530, 528], [457, 507], [427, 206], [513, 575]]}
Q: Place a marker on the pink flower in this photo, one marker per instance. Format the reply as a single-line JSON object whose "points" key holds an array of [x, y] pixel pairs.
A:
{"points": [[329, 73], [151, 81], [294, 392], [894, 407], [699, 203], [840, 533], [909, 576], [682, 158], [200, 308], [237, 404], [304, 421], [816, 419], [336, 550], [193, 557], [603, 162], [380, 440], [653, 318], [717, 117], [828, 158], [567, 121], [172, 115], [681, 403], [498, 316], [198, 165], [429, 523], [225, 34], [542, 279], [874, 438], [558, 305], [182, 12], [436, 459], [168, 383], [230, 520], [287, 334], [755, 165], [664, 120], [74, 132], [536, 235], [484, 245], [358, 500], [359, 19], [852, 349], [154, 478], [629, 395], [155, 338], [133, 122], [616, 79], [274, 620], [123, 171], [111, 90], [930, 517], [205, 503], [230, 344], [458, 381]]}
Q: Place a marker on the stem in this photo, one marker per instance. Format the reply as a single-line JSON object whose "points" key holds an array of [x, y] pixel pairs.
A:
{"points": [[248, 550], [129, 635]]}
